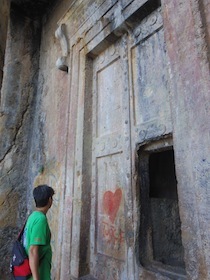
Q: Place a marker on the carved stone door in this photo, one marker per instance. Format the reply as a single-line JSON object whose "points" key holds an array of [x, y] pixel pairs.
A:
{"points": [[130, 107], [110, 162]]}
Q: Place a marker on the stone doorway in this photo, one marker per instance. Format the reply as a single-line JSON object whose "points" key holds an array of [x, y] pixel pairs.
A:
{"points": [[160, 225]]}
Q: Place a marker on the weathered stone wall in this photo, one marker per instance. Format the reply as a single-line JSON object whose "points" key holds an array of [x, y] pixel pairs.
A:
{"points": [[53, 87], [188, 49], [92, 28], [100, 34], [18, 100], [135, 82], [4, 16]]}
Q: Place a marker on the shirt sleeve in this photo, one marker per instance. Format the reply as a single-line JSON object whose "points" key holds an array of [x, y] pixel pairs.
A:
{"points": [[39, 232]]}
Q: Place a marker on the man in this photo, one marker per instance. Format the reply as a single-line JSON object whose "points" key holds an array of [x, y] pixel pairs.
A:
{"points": [[37, 234]]}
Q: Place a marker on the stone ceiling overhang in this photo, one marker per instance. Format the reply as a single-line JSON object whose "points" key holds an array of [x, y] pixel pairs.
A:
{"points": [[33, 8]]}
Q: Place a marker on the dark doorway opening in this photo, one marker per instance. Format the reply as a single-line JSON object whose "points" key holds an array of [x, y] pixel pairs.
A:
{"points": [[160, 225]]}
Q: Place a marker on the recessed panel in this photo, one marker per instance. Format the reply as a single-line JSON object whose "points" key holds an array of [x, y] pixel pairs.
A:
{"points": [[149, 79], [109, 99], [110, 207]]}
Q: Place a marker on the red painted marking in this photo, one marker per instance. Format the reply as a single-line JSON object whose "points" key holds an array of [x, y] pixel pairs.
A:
{"points": [[111, 234], [111, 203]]}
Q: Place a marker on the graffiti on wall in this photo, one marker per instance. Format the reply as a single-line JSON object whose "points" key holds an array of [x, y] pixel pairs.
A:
{"points": [[111, 239], [111, 203]]}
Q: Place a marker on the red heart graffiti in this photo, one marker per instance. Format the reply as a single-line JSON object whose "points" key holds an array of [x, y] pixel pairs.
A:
{"points": [[111, 203]]}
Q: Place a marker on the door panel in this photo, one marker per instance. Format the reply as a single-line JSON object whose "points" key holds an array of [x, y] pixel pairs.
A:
{"points": [[151, 112], [149, 79], [111, 146], [130, 95], [110, 215], [109, 89]]}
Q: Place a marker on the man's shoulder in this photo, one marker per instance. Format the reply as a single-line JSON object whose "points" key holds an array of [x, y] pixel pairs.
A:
{"points": [[37, 216]]}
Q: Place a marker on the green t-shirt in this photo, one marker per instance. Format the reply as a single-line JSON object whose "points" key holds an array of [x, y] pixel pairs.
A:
{"points": [[37, 232]]}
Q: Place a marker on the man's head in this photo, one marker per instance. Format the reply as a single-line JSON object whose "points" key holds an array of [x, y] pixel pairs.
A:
{"points": [[42, 194]]}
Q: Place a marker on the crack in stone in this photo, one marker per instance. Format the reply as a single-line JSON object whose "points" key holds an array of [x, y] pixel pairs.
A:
{"points": [[17, 130], [7, 195]]}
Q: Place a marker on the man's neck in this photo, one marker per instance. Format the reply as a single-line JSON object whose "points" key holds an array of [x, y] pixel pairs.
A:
{"points": [[42, 209]]}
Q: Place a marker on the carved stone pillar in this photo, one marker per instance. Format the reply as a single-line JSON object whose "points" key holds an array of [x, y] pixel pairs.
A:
{"points": [[188, 45]]}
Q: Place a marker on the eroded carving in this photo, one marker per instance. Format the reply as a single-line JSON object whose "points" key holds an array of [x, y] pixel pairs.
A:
{"points": [[61, 62], [152, 131]]}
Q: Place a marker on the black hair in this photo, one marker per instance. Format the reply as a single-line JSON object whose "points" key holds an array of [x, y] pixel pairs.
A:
{"points": [[41, 195]]}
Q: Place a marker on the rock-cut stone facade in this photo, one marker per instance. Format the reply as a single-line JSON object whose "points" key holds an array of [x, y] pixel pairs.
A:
{"points": [[108, 102]]}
